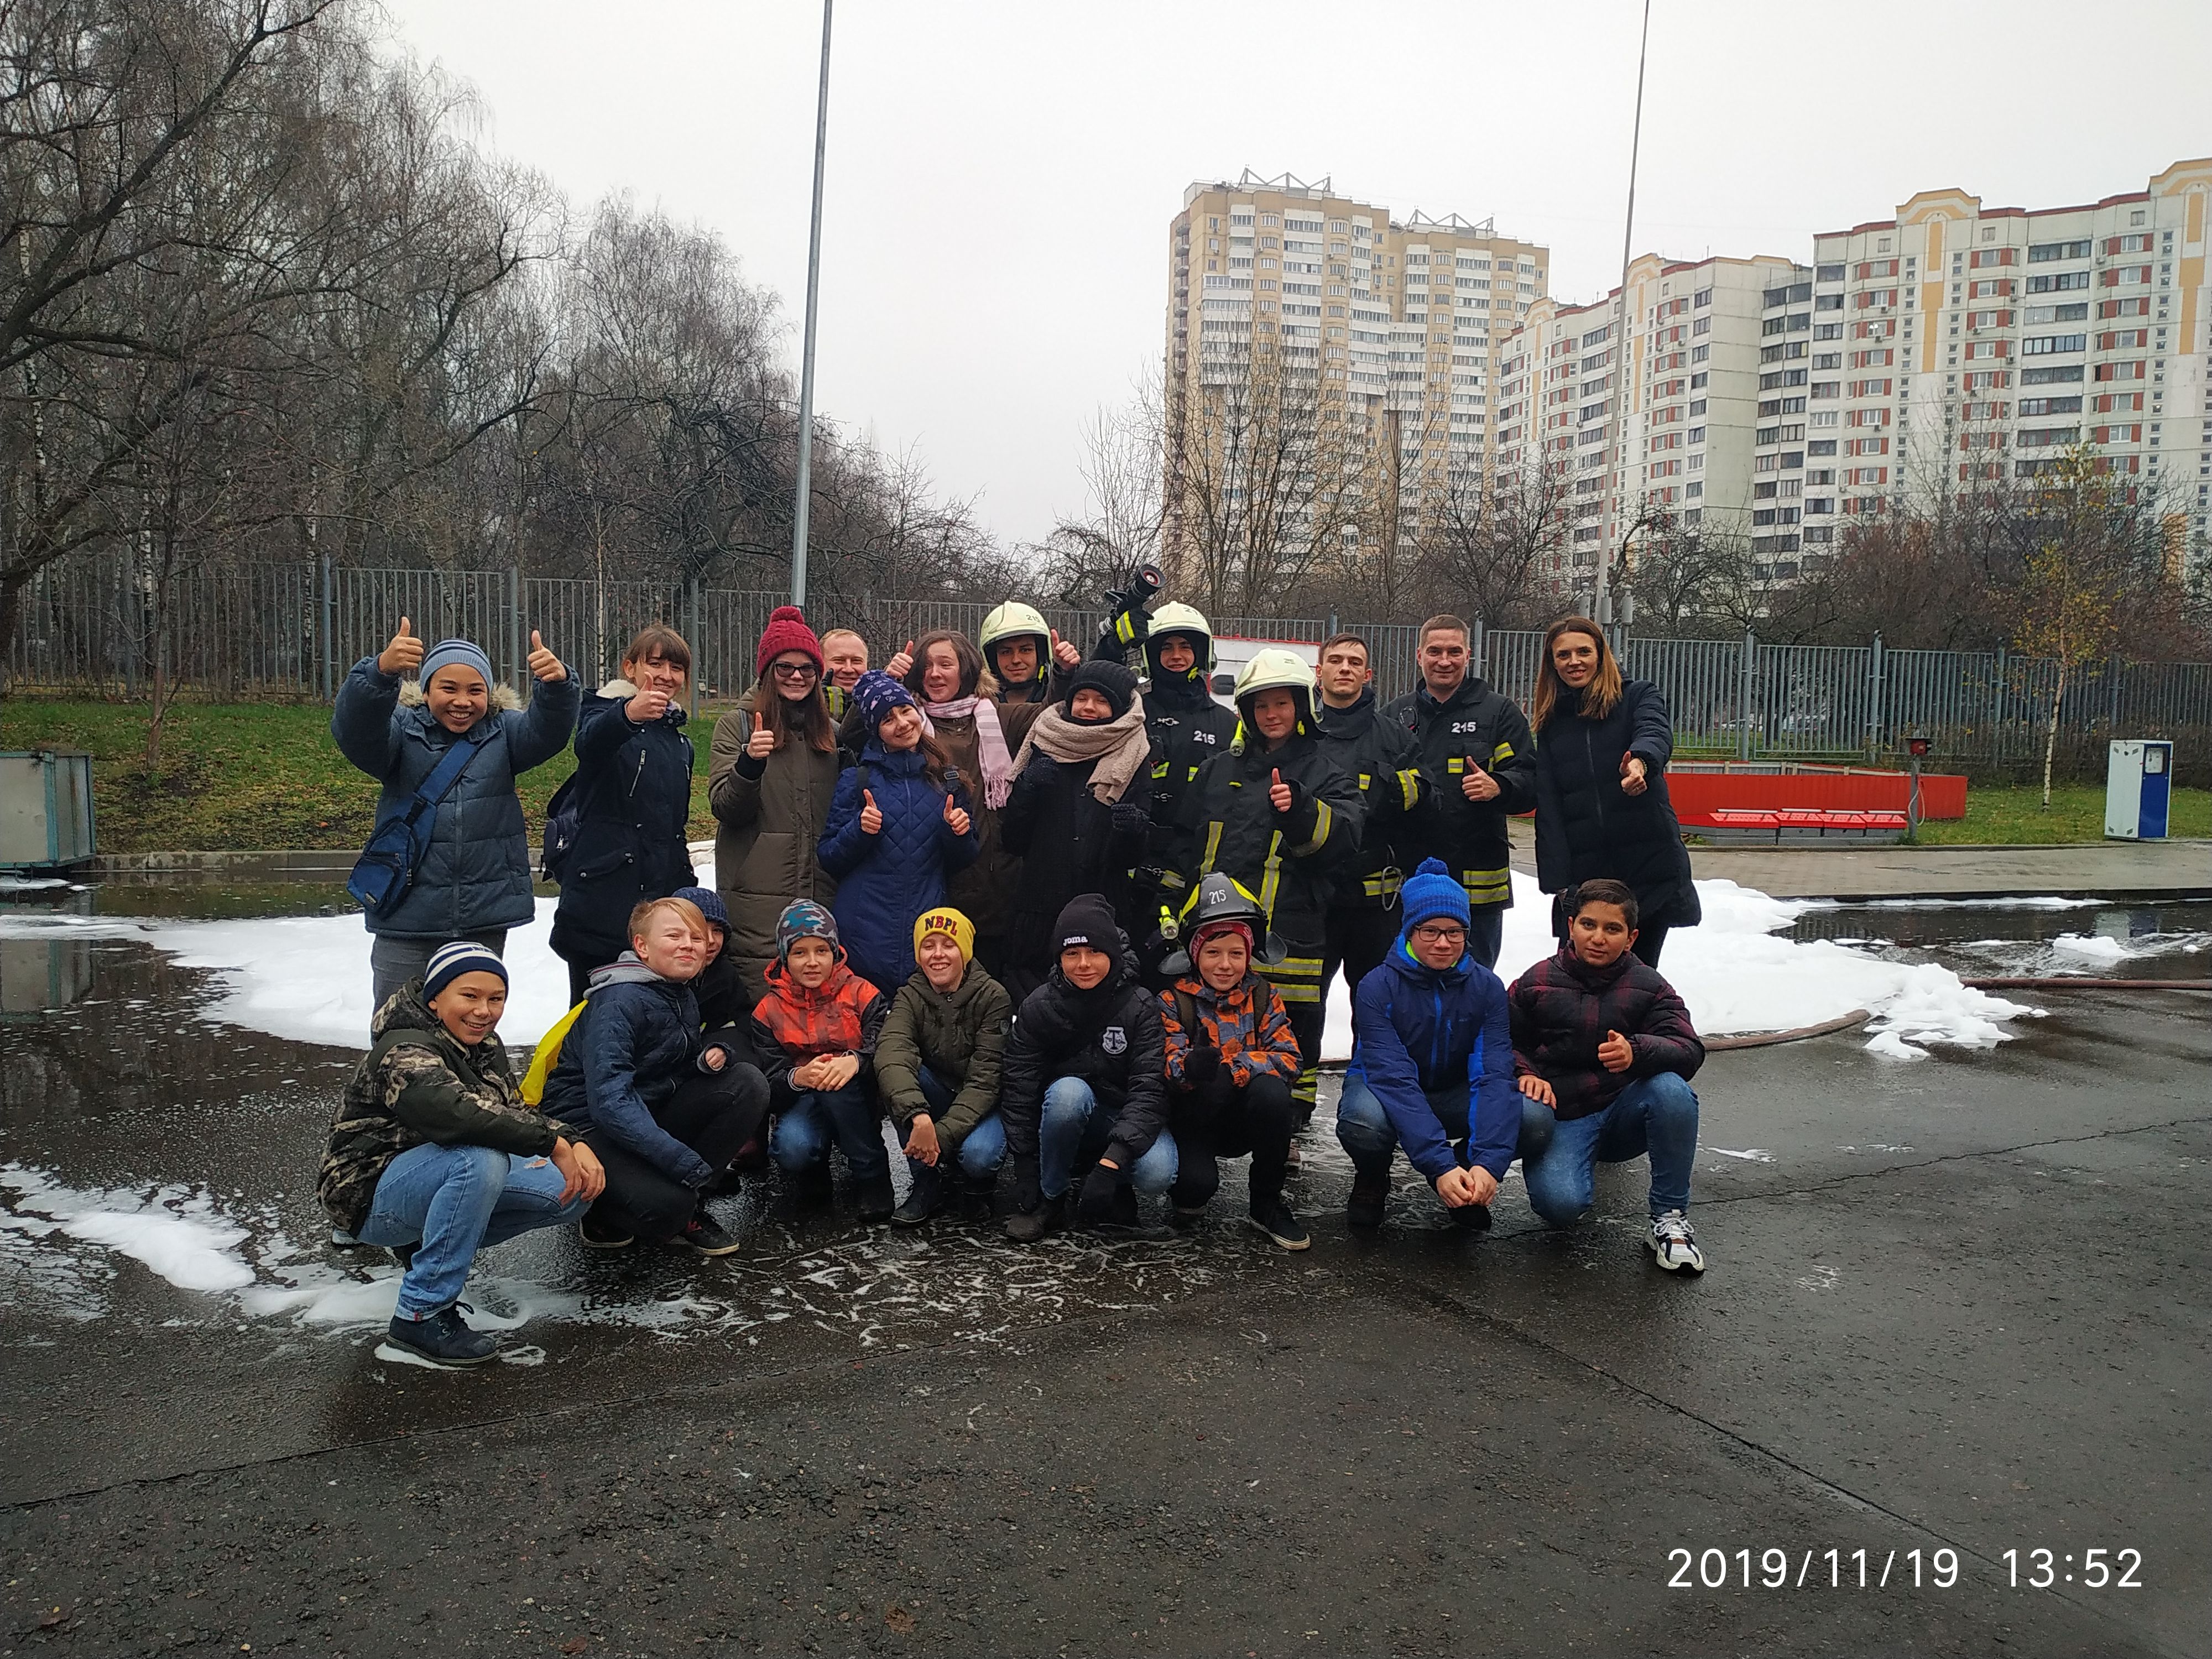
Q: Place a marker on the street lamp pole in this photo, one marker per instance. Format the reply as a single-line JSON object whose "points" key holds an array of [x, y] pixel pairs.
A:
{"points": [[1604, 606], [806, 362]]}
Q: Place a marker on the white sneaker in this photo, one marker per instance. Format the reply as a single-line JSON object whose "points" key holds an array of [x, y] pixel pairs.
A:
{"points": [[1674, 1243]]}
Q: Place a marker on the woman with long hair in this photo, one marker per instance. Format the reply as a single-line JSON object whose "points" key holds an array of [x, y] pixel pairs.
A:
{"points": [[980, 734], [897, 833], [772, 774], [1603, 746]]}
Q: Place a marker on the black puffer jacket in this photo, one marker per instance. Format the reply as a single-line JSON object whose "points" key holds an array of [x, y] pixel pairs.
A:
{"points": [[1469, 837], [635, 782], [1381, 758], [1112, 1038], [1068, 842], [1586, 826], [1284, 860]]}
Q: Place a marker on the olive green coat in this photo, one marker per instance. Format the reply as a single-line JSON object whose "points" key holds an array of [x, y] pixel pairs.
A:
{"points": [[769, 824], [960, 1036]]}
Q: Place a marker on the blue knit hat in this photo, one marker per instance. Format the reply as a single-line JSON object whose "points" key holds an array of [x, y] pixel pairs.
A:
{"points": [[449, 653], [1430, 894], [709, 902], [805, 919], [449, 962], [878, 693]]}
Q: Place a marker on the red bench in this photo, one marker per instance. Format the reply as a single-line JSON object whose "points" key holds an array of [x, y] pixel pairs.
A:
{"points": [[1802, 824]]}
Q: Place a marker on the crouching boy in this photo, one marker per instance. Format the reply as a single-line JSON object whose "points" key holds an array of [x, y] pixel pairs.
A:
{"points": [[1084, 1082], [816, 1031], [938, 1064], [1432, 1065], [434, 1155], [1604, 1044], [662, 1103], [1232, 1061]]}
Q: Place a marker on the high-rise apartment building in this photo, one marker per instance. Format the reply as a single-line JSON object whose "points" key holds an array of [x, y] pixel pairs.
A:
{"points": [[1325, 312], [1695, 362]]}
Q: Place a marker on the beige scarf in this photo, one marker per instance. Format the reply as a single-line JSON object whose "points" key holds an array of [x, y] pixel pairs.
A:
{"points": [[1119, 747]]}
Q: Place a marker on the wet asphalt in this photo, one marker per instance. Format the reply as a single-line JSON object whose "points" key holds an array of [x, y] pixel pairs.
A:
{"points": [[1957, 1307]]}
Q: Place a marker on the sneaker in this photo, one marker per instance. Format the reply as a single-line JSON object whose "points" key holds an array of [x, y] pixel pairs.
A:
{"points": [[704, 1235], [444, 1339], [601, 1234], [751, 1158], [1370, 1193], [876, 1200], [1674, 1243], [1274, 1217], [924, 1198], [1028, 1226], [1471, 1217]]}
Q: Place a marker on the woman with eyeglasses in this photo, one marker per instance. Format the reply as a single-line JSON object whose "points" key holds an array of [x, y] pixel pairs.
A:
{"points": [[772, 778]]}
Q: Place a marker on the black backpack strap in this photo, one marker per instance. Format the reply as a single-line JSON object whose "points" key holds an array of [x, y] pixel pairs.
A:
{"points": [[1186, 1013]]}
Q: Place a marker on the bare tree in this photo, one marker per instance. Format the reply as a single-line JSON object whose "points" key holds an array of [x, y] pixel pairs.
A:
{"points": [[1496, 548]]}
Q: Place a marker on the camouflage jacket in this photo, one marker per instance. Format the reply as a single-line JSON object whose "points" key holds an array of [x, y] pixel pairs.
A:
{"points": [[421, 1085]]}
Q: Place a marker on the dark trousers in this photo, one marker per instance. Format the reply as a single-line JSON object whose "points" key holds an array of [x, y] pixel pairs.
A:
{"points": [[1297, 981], [1359, 936], [714, 1114], [1227, 1121]]}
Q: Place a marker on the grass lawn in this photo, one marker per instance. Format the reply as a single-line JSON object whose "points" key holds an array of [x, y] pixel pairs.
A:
{"points": [[2014, 816], [240, 777], [245, 776]]}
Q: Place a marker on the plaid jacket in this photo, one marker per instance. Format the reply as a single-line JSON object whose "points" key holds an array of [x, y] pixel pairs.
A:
{"points": [[1249, 1025]]}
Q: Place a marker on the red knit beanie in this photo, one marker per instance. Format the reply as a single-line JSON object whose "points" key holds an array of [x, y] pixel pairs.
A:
{"points": [[786, 630]]}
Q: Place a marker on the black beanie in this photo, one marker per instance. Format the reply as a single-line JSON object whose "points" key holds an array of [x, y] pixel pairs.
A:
{"points": [[1087, 919], [1110, 680]]}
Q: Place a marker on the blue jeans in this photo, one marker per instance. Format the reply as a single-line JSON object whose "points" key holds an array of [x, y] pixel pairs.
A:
{"points": [[804, 1129], [452, 1202], [1655, 1114], [1368, 1138], [1070, 1127], [982, 1149]]}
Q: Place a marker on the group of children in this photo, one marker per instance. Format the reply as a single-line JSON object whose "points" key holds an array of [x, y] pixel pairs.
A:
{"points": [[1097, 1088]]}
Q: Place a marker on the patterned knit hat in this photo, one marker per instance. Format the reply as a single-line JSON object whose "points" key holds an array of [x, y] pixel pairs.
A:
{"points": [[878, 693], [709, 902], [1430, 894], [947, 923], [449, 962], [786, 630], [805, 919]]}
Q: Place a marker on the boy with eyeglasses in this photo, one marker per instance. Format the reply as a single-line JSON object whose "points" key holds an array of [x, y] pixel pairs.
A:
{"points": [[1433, 1066]]}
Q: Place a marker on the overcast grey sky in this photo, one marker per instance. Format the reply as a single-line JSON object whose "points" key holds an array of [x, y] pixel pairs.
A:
{"points": [[1002, 172]]}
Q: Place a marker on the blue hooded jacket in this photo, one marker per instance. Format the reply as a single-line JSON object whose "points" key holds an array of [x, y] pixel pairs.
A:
{"points": [[886, 880], [1419, 1030]]}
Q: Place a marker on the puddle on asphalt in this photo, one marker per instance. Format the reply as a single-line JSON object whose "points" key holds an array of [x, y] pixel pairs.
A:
{"points": [[2031, 939]]}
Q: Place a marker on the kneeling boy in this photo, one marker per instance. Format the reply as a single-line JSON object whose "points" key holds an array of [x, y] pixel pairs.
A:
{"points": [[434, 1155], [937, 1063], [1232, 1061], [1084, 1081], [1604, 1043], [1432, 1065], [662, 1103]]}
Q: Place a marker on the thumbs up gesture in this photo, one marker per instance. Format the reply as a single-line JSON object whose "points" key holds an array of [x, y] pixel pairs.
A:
{"points": [[1067, 655], [871, 816], [1616, 1054], [898, 666], [1634, 775], [1280, 795], [545, 666], [956, 818], [404, 653], [1477, 784]]}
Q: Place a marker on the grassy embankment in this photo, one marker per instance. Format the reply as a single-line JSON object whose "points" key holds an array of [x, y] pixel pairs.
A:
{"points": [[238, 776]]}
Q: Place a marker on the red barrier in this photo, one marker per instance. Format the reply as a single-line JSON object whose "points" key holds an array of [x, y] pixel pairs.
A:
{"points": [[1698, 788]]}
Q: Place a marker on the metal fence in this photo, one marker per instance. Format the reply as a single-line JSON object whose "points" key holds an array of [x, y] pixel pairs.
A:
{"points": [[292, 631]]}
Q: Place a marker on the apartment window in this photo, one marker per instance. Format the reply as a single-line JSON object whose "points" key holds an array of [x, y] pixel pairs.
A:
{"points": [[1696, 436], [1827, 331], [1821, 447], [1829, 274], [1271, 219], [1698, 379], [1828, 302], [1701, 354], [1697, 406], [2044, 252], [2046, 345]]}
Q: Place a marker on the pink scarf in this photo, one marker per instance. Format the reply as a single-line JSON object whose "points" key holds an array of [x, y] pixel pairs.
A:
{"points": [[990, 744]]}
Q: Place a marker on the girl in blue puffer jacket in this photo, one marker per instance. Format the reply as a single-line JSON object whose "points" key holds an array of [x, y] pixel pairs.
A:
{"points": [[396, 714], [895, 833]]}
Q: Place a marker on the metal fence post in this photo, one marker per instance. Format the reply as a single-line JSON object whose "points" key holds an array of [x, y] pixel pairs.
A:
{"points": [[1997, 713], [698, 656], [329, 631], [1745, 672], [1874, 697], [517, 658], [1477, 667]]}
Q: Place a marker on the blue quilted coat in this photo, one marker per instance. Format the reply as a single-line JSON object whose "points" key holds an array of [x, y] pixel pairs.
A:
{"points": [[886, 880]]}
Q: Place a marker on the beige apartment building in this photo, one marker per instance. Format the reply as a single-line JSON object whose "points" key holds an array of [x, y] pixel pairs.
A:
{"points": [[1381, 331], [1682, 444]]}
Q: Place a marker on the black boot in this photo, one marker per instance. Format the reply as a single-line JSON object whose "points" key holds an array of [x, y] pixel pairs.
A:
{"points": [[924, 1198], [444, 1339], [978, 1197], [875, 1198], [1028, 1226], [1370, 1193], [811, 1185]]}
